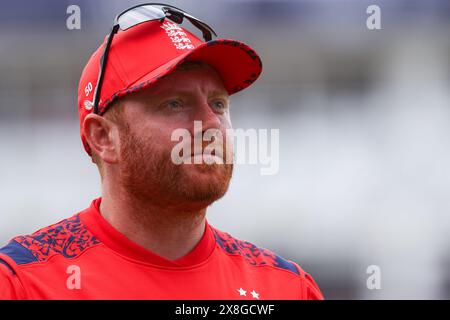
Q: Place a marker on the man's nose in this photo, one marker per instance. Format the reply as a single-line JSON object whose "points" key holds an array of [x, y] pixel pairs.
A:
{"points": [[209, 119]]}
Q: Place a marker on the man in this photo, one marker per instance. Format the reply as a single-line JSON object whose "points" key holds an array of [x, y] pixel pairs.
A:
{"points": [[147, 237]]}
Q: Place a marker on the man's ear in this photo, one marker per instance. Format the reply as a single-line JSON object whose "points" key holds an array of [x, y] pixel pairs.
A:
{"points": [[102, 135]]}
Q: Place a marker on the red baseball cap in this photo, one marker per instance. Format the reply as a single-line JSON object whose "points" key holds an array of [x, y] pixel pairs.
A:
{"points": [[141, 55]]}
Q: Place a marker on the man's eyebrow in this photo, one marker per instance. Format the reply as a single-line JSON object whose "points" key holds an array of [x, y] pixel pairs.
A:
{"points": [[184, 92]]}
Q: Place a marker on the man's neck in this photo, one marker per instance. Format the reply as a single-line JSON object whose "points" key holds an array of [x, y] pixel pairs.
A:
{"points": [[169, 233]]}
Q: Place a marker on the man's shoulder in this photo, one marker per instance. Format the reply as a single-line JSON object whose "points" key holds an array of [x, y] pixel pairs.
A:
{"points": [[253, 254], [257, 256], [68, 238]]}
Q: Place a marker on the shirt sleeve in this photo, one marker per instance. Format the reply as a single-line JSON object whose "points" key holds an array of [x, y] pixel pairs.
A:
{"points": [[309, 288], [10, 286], [312, 289]]}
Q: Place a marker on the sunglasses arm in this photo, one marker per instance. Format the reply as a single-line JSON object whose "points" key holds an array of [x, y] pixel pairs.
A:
{"points": [[101, 73], [206, 33]]}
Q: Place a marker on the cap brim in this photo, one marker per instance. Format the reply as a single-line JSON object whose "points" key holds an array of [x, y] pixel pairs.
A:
{"points": [[237, 64]]}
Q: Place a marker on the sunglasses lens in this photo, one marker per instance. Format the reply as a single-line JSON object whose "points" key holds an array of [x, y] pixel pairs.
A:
{"points": [[138, 15]]}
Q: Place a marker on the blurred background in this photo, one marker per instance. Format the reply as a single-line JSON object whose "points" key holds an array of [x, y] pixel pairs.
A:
{"points": [[364, 175]]}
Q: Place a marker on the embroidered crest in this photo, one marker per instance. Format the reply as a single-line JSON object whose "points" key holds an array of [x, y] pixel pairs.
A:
{"points": [[179, 38]]}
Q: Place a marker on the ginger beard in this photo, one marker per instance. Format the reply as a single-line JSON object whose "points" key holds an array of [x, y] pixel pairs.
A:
{"points": [[148, 174]]}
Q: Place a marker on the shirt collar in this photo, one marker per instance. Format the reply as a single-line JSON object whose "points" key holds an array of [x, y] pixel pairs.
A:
{"points": [[112, 238]]}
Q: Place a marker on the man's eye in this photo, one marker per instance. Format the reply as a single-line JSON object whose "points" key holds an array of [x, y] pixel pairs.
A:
{"points": [[174, 104], [219, 104]]}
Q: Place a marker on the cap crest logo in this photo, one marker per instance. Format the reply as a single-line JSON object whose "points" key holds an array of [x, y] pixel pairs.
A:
{"points": [[177, 35]]}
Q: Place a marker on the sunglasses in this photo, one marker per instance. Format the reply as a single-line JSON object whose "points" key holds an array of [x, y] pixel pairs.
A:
{"points": [[143, 13]]}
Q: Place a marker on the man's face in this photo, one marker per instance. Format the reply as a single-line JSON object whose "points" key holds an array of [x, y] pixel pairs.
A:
{"points": [[150, 116]]}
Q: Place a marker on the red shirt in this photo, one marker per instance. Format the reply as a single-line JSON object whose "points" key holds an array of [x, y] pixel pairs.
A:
{"points": [[84, 257]]}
